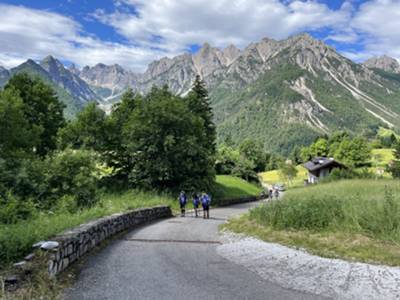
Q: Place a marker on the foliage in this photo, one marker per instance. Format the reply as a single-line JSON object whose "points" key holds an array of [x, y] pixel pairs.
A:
{"points": [[41, 109], [287, 172], [166, 144], [116, 154], [394, 166], [14, 209], [352, 151], [199, 104], [18, 137], [252, 151], [231, 161], [87, 131], [72, 173]]}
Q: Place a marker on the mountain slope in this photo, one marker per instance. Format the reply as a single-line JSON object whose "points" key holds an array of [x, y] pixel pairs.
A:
{"points": [[284, 93], [72, 83], [70, 89]]}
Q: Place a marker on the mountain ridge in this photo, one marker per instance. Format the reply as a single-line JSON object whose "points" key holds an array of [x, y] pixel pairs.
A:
{"points": [[293, 89]]}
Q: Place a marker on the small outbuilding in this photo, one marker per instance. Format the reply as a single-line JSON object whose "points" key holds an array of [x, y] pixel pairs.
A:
{"points": [[320, 167]]}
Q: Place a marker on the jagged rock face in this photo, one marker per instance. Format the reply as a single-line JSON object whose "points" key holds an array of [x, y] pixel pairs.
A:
{"points": [[112, 77], [178, 73], [74, 70], [72, 83], [384, 62], [230, 53], [207, 60]]}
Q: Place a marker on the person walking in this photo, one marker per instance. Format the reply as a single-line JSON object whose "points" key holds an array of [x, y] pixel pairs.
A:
{"points": [[270, 194], [196, 203], [276, 193], [182, 202], [205, 202]]}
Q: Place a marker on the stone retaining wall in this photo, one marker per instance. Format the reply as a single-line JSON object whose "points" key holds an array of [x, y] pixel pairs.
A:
{"points": [[75, 243]]}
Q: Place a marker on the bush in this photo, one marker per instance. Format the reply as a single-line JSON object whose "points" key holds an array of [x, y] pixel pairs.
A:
{"points": [[13, 209], [72, 173]]}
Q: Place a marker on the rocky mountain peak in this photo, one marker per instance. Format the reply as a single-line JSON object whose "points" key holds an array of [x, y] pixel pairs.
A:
{"points": [[231, 53], [50, 64], [73, 69], [384, 62], [208, 59]]}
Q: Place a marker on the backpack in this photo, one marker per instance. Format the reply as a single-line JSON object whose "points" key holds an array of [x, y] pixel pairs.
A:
{"points": [[205, 200], [182, 199]]}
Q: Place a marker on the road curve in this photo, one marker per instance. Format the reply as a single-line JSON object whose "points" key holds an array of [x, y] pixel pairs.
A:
{"points": [[173, 259]]}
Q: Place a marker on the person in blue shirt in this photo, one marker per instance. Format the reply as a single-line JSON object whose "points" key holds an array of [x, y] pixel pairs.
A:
{"points": [[196, 203], [182, 202], [205, 202]]}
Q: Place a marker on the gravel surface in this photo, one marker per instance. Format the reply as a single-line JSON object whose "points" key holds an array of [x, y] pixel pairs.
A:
{"points": [[301, 271], [174, 259]]}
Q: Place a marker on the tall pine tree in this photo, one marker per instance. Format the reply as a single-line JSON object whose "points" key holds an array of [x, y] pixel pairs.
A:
{"points": [[199, 104]]}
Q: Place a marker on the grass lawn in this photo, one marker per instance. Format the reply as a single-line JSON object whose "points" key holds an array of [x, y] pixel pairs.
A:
{"points": [[272, 177], [354, 219], [230, 187], [16, 240]]}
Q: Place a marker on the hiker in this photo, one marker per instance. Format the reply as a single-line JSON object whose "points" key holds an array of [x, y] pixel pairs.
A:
{"points": [[276, 193], [270, 194], [196, 203], [205, 202], [182, 202]]}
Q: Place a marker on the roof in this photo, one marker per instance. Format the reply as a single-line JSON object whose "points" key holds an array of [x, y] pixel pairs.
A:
{"points": [[321, 162]]}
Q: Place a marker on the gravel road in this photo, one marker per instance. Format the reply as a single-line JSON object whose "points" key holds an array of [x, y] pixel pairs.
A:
{"points": [[174, 259]]}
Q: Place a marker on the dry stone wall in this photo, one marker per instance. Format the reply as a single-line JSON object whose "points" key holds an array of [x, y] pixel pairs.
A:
{"points": [[73, 244]]}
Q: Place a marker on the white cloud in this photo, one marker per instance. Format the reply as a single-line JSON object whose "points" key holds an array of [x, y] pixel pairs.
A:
{"points": [[28, 33], [181, 23], [377, 23], [166, 28]]}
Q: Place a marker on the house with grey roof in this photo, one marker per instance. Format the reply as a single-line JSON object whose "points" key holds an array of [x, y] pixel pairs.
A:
{"points": [[320, 167]]}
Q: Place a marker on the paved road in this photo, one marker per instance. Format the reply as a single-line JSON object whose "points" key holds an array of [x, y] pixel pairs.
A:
{"points": [[173, 259]]}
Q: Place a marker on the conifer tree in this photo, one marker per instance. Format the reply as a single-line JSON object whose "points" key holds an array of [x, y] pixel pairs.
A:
{"points": [[199, 104]]}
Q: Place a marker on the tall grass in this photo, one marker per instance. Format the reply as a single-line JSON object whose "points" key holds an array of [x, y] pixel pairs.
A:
{"points": [[368, 207], [16, 240]]}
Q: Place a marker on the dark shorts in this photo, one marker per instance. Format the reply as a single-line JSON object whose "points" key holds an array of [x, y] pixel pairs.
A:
{"points": [[195, 205], [206, 207], [182, 206]]}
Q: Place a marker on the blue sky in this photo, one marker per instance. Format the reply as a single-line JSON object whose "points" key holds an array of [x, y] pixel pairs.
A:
{"points": [[135, 32]]}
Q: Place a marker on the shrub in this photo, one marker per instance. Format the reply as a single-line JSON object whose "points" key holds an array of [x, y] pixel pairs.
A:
{"points": [[73, 173], [13, 209]]}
